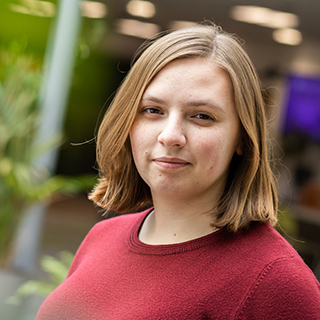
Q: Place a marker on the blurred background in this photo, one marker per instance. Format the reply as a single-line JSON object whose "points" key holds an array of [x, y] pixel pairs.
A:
{"points": [[60, 64]]}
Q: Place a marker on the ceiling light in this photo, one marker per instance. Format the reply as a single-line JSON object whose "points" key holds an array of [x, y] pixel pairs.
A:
{"points": [[136, 28], [35, 8], [144, 9], [93, 9], [282, 20], [288, 36], [264, 17], [179, 24]]}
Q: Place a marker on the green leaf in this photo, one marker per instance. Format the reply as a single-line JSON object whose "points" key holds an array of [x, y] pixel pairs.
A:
{"points": [[57, 270]]}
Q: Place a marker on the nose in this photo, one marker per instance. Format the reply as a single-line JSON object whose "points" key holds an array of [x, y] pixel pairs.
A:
{"points": [[172, 134]]}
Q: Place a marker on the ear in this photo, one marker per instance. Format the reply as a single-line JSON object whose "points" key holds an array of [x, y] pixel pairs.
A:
{"points": [[239, 149]]}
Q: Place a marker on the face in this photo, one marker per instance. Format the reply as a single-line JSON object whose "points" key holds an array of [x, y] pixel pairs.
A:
{"points": [[186, 132]]}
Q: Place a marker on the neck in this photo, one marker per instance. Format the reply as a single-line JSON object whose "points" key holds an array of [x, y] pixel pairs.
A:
{"points": [[175, 223]]}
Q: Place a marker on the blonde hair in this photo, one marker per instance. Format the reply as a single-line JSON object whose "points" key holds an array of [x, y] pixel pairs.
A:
{"points": [[250, 193]]}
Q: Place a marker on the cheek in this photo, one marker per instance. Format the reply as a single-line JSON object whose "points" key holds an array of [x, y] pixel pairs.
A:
{"points": [[135, 143], [208, 151], [215, 152], [140, 141], [209, 145], [136, 137]]}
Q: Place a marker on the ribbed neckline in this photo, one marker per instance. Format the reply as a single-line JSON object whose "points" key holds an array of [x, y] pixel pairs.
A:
{"points": [[135, 245]]}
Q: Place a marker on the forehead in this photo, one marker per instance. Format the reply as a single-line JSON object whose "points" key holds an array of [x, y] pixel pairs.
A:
{"points": [[196, 79], [201, 69]]}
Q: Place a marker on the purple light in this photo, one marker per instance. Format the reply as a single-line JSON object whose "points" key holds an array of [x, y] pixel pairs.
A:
{"points": [[303, 106]]}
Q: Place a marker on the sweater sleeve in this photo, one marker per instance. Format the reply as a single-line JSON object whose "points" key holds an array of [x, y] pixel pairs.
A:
{"points": [[285, 289]]}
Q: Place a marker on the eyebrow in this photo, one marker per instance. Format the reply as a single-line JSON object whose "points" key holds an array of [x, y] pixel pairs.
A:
{"points": [[191, 103], [153, 99]]}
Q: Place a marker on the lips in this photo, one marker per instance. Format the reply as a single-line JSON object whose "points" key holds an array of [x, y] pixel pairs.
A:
{"points": [[171, 163]]}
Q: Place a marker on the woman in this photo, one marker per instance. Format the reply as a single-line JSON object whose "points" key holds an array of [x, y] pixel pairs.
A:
{"points": [[186, 133]]}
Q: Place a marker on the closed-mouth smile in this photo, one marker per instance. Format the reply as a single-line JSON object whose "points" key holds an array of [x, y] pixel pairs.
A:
{"points": [[171, 163]]}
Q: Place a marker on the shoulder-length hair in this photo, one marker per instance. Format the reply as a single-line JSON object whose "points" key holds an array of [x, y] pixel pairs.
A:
{"points": [[250, 193]]}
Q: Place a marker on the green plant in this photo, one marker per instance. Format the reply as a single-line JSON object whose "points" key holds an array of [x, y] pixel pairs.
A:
{"points": [[56, 269], [22, 182]]}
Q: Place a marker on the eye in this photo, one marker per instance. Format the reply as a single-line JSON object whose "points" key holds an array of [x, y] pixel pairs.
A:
{"points": [[152, 110], [204, 117]]}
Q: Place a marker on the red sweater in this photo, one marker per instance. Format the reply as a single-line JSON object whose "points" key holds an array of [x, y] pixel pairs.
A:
{"points": [[252, 274]]}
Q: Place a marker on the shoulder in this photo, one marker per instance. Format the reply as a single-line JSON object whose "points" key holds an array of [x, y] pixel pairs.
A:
{"points": [[282, 286], [116, 224], [108, 234], [285, 289], [263, 241], [113, 227]]}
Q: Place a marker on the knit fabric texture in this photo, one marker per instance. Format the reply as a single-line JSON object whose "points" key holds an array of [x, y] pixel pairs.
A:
{"points": [[251, 274]]}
